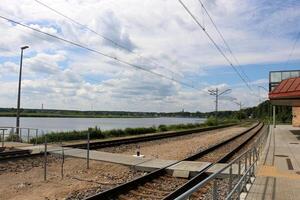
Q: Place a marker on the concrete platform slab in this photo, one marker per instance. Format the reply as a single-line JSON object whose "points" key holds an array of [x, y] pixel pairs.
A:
{"points": [[278, 175], [181, 174], [153, 164], [188, 168], [192, 167]]}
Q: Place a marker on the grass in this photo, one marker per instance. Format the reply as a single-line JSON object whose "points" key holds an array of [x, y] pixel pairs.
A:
{"points": [[97, 133]]}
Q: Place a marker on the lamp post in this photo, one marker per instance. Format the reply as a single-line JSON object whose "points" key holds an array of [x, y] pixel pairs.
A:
{"points": [[19, 91], [217, 94]]}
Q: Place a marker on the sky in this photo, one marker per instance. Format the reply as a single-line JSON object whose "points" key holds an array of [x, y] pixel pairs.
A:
{"points": [[155, 35]]}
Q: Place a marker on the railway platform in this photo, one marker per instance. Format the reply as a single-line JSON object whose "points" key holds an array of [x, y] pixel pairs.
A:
{"points": [[182, 169], [278, 175]]}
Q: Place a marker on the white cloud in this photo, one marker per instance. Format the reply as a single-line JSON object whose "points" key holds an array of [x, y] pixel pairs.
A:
{"points": [[65, 76]]}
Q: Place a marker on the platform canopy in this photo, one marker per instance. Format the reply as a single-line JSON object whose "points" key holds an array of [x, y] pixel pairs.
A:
{"points": [[287, 92]]}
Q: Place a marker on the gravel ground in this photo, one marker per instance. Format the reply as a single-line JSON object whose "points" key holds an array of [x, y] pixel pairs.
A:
{"points": [[156, 189], [218, 153], [23, 178], [185, 145], [206, 192], [246, 147]]}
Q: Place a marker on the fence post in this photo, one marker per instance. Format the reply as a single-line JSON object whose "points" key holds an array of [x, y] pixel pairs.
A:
{"points": [[20, 130], [3, 138], [62, 162], [28, 131], [88, 151], [230, 179], [246, 158], [36, 136], [45, 159], [239, 169], [250, 162], [215, 190]]}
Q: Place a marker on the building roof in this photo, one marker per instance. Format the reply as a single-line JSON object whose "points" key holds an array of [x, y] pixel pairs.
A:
{"points": [[286, 93]]}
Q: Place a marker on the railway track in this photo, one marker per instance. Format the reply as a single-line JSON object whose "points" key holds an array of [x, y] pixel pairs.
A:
{"points": [[145, 138], [159, 185], [16, 153]]}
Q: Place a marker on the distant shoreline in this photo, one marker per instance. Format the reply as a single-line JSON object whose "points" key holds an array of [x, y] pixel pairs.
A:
{"points": [[26, 112], [94, 116]]}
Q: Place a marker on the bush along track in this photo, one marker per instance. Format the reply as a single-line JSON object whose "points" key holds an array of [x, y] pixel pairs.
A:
{"points": [[97, 133]]}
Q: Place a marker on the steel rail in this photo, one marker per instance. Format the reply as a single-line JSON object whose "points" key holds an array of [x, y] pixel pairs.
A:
{"points": [[14, 154], [202, 175], [125, 187]]}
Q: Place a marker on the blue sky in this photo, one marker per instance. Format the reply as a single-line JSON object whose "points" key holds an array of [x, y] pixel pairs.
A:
{"points": [[164, 39]]}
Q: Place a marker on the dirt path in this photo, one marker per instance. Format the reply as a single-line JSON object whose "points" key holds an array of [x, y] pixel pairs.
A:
{"points": [[179, 147], [23, 179]]}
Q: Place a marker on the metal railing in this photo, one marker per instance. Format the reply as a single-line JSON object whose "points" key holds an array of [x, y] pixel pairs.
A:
{"points": [[26, 134], [238, 173]]}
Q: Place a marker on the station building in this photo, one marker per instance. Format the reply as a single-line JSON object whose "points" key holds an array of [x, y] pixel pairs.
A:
{"points": [[284, 89]]}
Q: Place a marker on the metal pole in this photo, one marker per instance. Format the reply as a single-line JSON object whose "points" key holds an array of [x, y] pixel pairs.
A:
{"points": [[36, 136], [215, 190], [230, 179], [3, 138], [28, 131], [217, 98], [45, 159], [274, 116], [20, 136], [239, 169], [19, 93], [62, 162], [88, 151]]}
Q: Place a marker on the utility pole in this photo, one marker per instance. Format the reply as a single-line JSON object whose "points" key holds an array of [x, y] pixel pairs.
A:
{"points": [[240, 104], [217, 94], [19, 91]]}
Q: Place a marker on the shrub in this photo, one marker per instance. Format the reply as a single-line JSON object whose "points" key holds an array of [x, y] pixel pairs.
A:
{"points": [[12, 137], [96, 133], [211, 121], [162, 127]]}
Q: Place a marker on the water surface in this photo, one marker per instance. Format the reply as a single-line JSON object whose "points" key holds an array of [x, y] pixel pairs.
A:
{"points": [[67, 124]]}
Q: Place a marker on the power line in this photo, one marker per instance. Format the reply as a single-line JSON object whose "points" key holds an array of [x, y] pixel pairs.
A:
{"points": [[224, 41], [293, 48], [102, 36], [215, 44], [98, 52]]}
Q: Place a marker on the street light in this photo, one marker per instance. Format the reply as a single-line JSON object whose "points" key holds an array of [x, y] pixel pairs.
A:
{"points": [[217, 94], [19, 91]]}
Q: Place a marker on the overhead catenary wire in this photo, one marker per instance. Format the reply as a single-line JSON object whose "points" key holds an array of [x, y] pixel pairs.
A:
{"points": [[293, 48], [215, 44], [117, 44], [99, 52], [203, 8]]}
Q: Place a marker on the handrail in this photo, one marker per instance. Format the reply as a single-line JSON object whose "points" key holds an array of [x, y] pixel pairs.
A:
{"points": [[26, 134], [257, 145], [18, 127]]}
